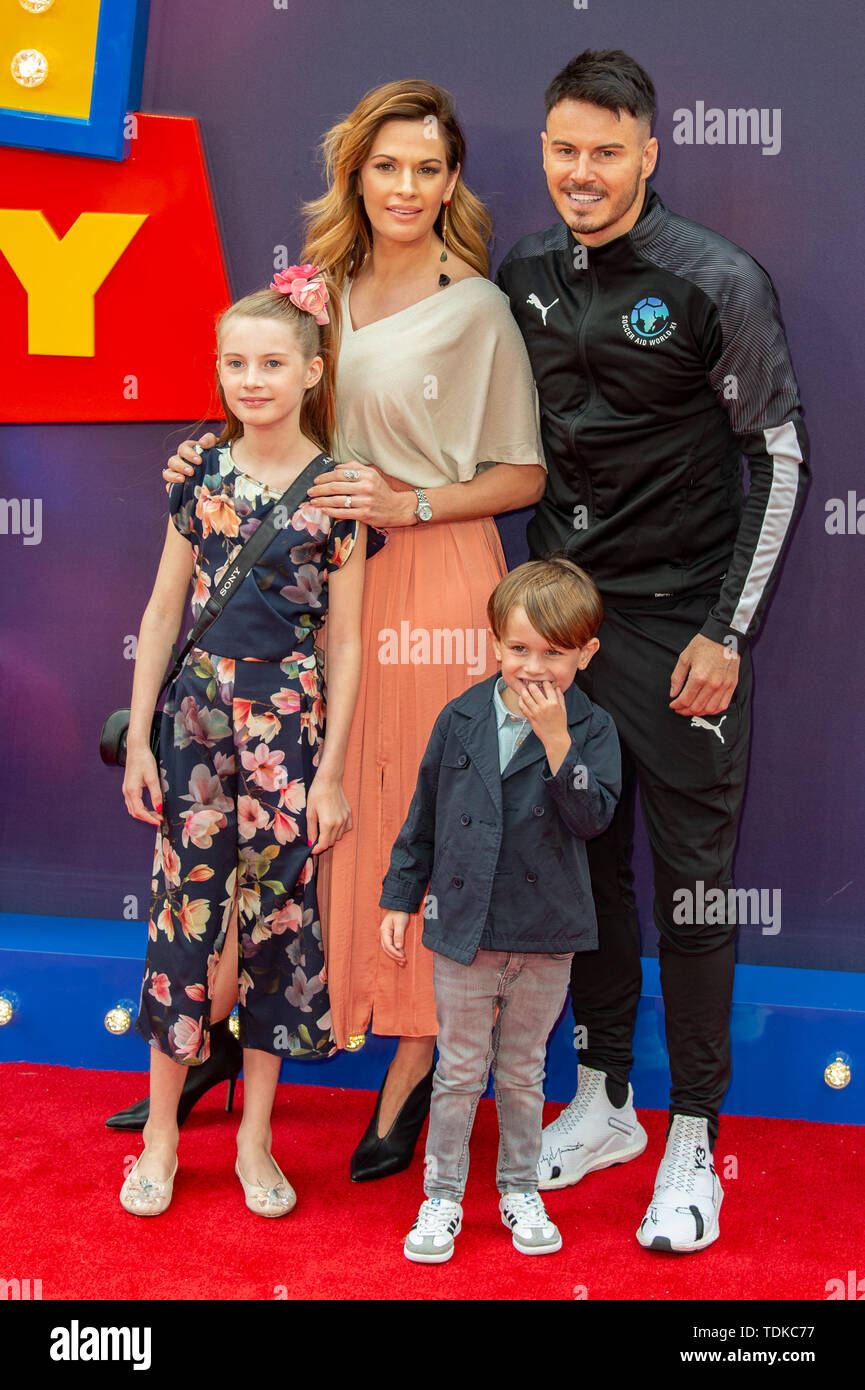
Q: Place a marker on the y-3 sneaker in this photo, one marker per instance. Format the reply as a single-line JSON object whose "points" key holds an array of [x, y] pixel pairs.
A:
{"points": [[431, 1239], [590, 1133], [532, 1231], [683, 1213]]}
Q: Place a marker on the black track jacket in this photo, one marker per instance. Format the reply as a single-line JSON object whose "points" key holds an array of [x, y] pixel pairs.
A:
{"points": [[658, 358]]}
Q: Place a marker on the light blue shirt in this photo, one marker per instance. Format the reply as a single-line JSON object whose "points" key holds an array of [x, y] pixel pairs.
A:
{"points": [[513, 729]]}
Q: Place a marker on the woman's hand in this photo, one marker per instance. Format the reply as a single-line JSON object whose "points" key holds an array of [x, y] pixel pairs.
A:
{"points": [[328, 814], [393, 929], [372, 499], [141, 771], [182, 464]]}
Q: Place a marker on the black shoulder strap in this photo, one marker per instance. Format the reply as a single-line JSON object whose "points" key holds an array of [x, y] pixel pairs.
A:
{"points": [[276, 519]]}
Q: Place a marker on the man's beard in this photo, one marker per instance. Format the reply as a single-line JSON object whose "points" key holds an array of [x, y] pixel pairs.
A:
{"points": [[582, 222]]}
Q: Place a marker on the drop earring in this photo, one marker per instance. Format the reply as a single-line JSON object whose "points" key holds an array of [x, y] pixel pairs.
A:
{"points": [[444, 279]]}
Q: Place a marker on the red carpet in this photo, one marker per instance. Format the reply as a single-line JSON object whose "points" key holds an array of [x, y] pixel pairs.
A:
{"points": [[791, 1220]]}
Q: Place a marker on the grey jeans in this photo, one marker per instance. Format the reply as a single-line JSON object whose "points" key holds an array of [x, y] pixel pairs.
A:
{"points": [[496, 1013]]}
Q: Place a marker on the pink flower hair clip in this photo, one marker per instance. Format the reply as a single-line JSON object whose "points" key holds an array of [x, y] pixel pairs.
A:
{"points": [[304, 289]]}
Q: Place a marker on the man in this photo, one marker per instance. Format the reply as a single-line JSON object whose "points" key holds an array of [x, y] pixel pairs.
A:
{"points": [[659, 357]]}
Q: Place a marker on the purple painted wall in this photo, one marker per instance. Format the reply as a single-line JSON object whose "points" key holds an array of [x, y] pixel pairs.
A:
{"points": [[265, 83]]}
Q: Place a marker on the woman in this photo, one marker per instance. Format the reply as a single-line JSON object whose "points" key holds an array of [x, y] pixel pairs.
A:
{"points": [[437, 413]]}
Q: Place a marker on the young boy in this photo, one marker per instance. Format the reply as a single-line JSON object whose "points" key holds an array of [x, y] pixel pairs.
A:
{"points": [[520, 770]]}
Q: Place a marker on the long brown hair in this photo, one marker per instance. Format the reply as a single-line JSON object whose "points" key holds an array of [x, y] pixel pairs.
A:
{"points": [[318, 407], [338, 231]]}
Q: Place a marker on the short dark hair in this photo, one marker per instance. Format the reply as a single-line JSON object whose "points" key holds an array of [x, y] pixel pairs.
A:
{"points": [[608, 78]]}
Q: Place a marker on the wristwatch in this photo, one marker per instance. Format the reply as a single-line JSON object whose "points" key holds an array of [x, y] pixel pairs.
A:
{"points": [[423, 511]]}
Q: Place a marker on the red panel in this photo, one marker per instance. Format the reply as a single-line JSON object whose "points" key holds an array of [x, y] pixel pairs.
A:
{"points": [[155, 311]]}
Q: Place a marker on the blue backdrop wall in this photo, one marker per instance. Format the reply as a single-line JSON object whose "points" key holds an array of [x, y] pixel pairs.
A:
{"points": [[266, 81]]}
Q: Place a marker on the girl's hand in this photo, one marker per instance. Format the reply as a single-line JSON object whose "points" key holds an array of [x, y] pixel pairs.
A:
{"points": [[372, 499], [328, 814], [141, 771], [182, 464], [393, 929]]}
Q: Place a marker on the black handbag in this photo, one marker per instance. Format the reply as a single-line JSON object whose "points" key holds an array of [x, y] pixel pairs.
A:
{"points": [[112, 739]]}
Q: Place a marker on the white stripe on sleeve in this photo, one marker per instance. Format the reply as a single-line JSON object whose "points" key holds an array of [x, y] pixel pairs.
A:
{"points": [[782, 446]]}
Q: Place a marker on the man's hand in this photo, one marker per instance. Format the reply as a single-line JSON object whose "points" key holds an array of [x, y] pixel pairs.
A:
{"points": [[705, 677]]}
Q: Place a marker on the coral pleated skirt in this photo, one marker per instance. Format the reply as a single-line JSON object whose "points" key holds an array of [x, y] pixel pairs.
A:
{"points": [[424, 640]]}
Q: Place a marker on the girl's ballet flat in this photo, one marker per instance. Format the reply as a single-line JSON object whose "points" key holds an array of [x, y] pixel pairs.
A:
{"points": [[144, 1196], [268, 1201]]}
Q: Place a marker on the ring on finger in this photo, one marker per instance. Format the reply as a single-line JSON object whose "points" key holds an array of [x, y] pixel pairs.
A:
{"points": [[351, 475], [347, 500]]}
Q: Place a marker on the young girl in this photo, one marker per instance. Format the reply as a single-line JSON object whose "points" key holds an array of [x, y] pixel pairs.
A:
{"points": [[247, 793]]}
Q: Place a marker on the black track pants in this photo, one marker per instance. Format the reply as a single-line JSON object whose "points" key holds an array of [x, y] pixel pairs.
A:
{"points": [[690, 780]]}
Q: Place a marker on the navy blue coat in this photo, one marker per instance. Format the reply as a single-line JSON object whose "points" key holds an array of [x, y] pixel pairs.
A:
{"points": [[509, 845]]}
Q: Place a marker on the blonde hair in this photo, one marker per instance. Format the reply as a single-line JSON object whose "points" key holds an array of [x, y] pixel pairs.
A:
{"points": [[318, 408], [560, 601], [338, 231]]}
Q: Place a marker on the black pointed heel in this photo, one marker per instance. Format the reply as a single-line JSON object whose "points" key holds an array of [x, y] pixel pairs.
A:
{"points": [[223, 1064], [381, 1156]]}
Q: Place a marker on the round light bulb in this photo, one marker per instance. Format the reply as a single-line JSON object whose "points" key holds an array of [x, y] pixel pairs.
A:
{"points": [[356, 1042], [118, 1020], [29, 67], [36, 6], [838, 1073], [234, 1025], [6, 1011]]}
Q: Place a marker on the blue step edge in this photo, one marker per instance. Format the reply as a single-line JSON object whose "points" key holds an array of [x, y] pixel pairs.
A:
{"points": [[786, 1024]]}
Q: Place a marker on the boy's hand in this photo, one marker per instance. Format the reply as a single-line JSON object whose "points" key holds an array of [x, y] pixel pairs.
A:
{"points": [[393, 930], [543, 704]]}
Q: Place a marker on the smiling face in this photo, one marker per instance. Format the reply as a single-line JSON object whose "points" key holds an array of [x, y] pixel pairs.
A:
{"points": [[405, 180], [262, 369], [597, 162], [527, 657]]}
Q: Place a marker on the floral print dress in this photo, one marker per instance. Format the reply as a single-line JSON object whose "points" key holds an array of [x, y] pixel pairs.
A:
{"points": [[240, 742]]}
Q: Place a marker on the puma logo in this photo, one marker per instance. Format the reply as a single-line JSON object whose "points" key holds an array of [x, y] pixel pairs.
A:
{"points": [[698, 722], [543, 308]]}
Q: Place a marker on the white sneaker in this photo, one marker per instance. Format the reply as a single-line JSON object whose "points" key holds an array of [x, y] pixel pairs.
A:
{"points": [[683, 1213], [531, 1229], [431, 1239], [590, 1133]]}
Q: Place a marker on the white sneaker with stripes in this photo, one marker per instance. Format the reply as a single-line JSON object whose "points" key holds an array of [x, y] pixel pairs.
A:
{"points": [[431, 1239], [532, 1231]]}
